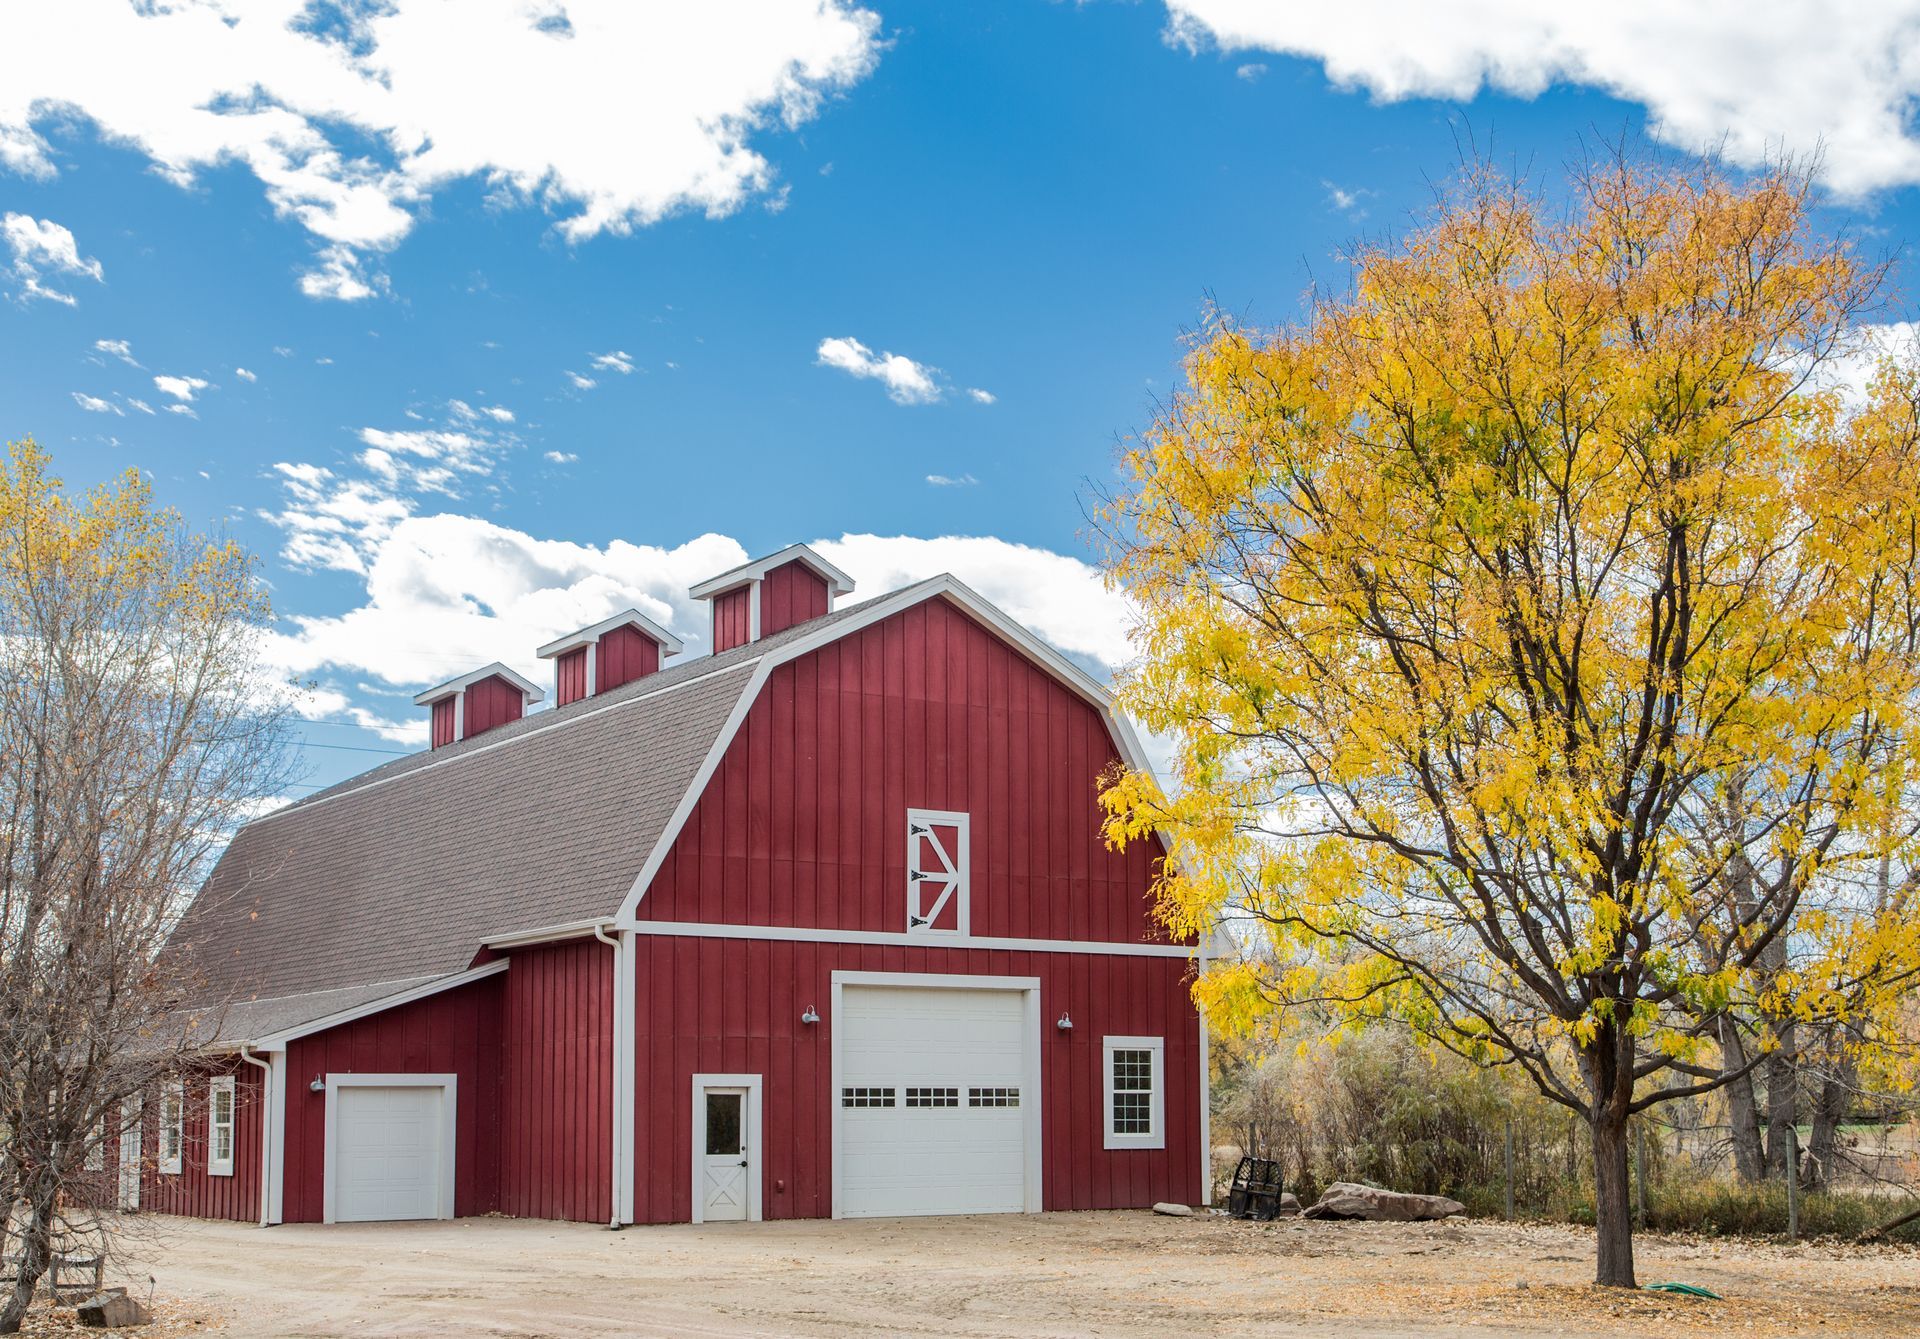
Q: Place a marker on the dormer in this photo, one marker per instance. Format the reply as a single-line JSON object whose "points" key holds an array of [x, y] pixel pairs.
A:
{"points": [[771, 594], [613, 651], [464, 707]]}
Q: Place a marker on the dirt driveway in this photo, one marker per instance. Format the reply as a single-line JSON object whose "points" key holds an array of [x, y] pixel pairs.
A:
{"points": [[1124, 1274]]}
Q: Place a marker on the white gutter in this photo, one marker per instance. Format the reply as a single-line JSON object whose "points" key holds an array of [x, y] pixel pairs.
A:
{"points": [[266, 1133], [619, 1070]]}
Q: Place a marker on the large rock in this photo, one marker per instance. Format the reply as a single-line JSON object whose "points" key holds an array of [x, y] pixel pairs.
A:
{"points": [[111, 1311], [1346, 1199]]}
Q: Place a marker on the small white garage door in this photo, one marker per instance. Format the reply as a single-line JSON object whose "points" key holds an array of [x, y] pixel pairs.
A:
{"points": [[389, 1158], [932, 1101]]}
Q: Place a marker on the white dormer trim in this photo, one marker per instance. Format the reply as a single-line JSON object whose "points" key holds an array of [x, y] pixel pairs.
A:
{"points": [[532, 690], [838, 582], [670, 645]]}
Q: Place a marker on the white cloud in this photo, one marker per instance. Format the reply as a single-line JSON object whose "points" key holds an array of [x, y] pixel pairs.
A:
{"points": [[979, 396], [1746, 76], [1344, 201], [180, 388], [621, 114], [467, 413], [93, 404], [581, 383], [117, 348], [618, 361], [907, 382], [141, 405], [562, 457], [1253, 72], [1857, 360], [185, 409], [245, 375], [952, 480], [42, 247]]}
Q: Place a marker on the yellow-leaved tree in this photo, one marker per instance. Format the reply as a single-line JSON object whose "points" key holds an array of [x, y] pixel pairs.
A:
{"points": [[1540, 642]]}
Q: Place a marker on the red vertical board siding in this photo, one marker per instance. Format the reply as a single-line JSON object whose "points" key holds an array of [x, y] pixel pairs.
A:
{"points": [[624, 655], [443, 715], [804, 822], [192, 1192], [493, 701], [732, 618], [570, 676], [724, 1006], [557, 1076], [455, 1032], [791, 593]]}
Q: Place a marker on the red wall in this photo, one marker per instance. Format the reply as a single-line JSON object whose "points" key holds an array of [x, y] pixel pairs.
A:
{"points": [[557, 1083], [570, 677], [791, 593], [733, 1006], [192, 1192], [804, 822], [455, 1032], [625, 654], [443, 721], [732, 615], [492, 702]]}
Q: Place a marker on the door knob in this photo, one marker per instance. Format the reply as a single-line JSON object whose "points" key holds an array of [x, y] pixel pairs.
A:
{"points": [[743, 1162]]}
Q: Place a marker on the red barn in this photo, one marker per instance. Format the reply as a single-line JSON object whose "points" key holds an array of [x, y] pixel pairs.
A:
{"points": [[821, 924]]}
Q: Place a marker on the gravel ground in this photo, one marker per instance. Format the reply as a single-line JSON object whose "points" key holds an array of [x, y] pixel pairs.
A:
{"points": [[1119, 1274]]}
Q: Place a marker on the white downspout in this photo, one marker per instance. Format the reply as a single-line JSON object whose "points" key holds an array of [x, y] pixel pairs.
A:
{"points": [[619, 1068], [266, 1133]]}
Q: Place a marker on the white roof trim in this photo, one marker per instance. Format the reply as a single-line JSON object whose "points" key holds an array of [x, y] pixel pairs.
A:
{"points": [[546, 934], [1069, 674], [838, 582], [277, 1041], [465, 681], [669, 644]]}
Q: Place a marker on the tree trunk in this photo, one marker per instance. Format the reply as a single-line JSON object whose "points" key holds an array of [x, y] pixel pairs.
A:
{"points": [[36, 1254], [1612, 1197], [1783, 1101], [1829, 1110], [1743, 1112]]}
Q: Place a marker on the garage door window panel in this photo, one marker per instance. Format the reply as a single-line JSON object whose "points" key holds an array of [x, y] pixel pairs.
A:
{"points": [[1135, 1086]]}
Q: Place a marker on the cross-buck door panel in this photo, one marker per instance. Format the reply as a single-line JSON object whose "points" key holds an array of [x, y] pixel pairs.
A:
{"points": [[938, 876]]}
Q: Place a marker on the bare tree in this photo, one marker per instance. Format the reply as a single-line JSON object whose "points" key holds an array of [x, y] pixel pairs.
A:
{"points": [[134, 736]]}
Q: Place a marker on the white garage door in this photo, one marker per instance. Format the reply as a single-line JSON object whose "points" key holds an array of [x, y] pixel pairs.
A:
{"points": [[388, 1154], [932, 1102]]}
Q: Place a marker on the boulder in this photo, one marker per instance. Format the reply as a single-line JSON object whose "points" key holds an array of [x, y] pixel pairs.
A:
{"points": [[111, 1311], [1173, 1210], [1347, 1199]]}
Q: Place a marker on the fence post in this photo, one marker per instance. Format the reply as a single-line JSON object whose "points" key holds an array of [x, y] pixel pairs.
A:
{"points": [[1509, 1170], [1793, 1183]]}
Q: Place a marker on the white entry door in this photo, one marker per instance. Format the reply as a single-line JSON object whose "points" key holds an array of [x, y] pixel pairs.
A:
{"points": [[726, 1166], [390, 1156], [935, 1109]]}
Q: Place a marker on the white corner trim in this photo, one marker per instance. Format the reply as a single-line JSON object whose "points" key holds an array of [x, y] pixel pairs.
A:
{"points": [[753, 612], [624, 1076], [756, 1144], [277, 1041], [1156, 1047], [811, 935], [449, 1085], [275, 1133], [1032, 1131], [1206, 1092]]}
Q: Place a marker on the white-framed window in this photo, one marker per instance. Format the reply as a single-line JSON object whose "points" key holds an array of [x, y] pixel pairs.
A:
{"points": [[1136, 1103], [938, 881], [173, 1121], [220, 1126], [96, 1158]]}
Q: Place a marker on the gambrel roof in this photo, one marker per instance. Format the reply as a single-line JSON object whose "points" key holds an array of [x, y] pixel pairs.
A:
{"points": [[400, 876]]}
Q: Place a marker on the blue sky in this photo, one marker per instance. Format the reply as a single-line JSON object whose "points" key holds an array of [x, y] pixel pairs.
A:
{"points": [[338, 282]]}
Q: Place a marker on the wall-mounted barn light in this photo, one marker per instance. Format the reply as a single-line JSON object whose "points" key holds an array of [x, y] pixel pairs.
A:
{"points": [[811, 1016], [1065, 1024], [319, 1084]]}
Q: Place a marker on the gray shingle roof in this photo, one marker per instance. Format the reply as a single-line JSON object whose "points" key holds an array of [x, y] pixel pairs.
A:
{"points": [[400, 874]]}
